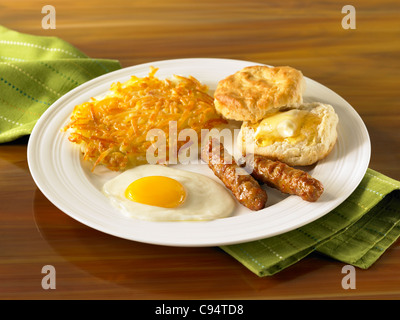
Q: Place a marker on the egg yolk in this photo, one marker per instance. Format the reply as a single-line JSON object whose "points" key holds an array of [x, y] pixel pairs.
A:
{"points": [[292, 126], [156, 191]]}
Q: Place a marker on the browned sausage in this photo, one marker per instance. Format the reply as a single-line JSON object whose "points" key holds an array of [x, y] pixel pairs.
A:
{"points": [[243, 186], [279, 175]]}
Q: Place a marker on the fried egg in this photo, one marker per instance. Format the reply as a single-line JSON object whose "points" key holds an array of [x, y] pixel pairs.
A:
{"points": [[159, 193]]}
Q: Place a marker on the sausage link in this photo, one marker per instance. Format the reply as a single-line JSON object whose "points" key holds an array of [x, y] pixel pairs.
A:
{"points": [[243, 186], [289, 180]]}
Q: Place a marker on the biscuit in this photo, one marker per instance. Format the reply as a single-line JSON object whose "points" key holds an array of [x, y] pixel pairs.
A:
{"points": [[297, 137], [253, 92]]}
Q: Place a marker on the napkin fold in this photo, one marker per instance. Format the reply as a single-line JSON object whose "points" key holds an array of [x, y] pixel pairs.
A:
{"points": [[357, 232], [34, 72]]}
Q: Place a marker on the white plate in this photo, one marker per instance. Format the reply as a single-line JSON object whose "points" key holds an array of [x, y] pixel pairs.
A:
{"points": [[58, 171]]}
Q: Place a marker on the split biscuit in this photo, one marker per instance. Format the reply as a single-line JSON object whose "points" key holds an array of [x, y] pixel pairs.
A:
{"points": [[255, 91], [297, 137]]}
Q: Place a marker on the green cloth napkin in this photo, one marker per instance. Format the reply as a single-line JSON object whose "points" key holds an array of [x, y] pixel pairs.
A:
{"points": [[34, 72], [357, 232]]}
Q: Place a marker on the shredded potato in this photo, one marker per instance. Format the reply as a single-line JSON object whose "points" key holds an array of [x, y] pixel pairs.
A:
{"points": [[112, 131]]}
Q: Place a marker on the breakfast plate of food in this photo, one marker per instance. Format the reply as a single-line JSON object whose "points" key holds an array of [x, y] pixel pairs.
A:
{"points": [[199, 152]]}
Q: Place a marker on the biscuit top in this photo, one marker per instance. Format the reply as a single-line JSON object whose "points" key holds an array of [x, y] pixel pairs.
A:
{"points": [[253, 92]]}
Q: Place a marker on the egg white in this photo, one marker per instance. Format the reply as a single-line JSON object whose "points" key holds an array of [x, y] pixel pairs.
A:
{"points": [[205, 198]]}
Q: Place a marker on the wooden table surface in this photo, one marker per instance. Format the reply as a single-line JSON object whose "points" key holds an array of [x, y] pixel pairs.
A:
{"points": [[362, 65]]}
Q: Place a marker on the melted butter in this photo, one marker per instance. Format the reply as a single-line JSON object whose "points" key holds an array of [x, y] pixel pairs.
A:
{"points": [[292, 126]]}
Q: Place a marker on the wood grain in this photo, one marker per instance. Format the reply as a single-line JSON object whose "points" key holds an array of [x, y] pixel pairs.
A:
{"points": [[361, 65]]}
